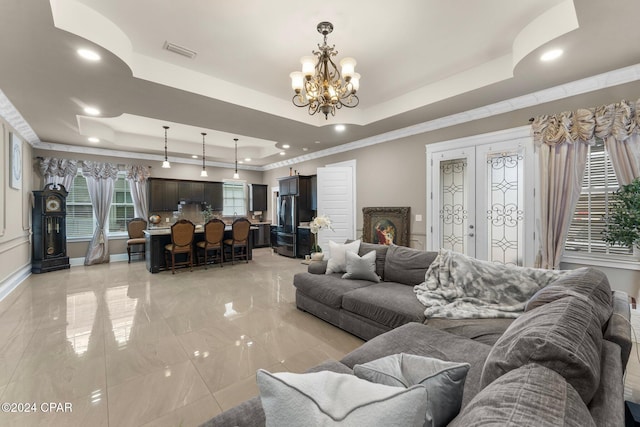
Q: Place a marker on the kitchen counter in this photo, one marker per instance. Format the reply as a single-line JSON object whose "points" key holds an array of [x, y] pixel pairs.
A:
{"points": [[156, 238]]}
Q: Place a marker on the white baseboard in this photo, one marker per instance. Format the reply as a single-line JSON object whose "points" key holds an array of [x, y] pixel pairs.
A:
{"points": [[12, 282], [75, 262]]}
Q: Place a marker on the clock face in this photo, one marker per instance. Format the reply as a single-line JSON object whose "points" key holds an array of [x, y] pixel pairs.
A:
{"points": [[53, 204]]}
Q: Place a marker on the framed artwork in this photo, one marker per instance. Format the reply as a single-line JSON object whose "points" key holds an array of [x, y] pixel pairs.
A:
{"points": [[16, 162], [386, 226]]}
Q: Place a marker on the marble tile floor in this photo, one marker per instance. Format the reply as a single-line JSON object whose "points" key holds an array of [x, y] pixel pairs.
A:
{"points": [[128, 348]]}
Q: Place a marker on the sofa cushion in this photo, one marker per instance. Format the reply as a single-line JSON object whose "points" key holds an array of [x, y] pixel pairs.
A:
{"points": [[531, 395], [327, 289], [337, 263], [486, 331], [563, 335], [390, 304], [421, 340], [443, 380], [587, 282], [328, 398], [406, 265], [361, 267]]}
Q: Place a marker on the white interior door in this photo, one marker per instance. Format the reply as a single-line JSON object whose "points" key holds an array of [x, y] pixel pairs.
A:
{"points": [[336, 200], [453, 196]]}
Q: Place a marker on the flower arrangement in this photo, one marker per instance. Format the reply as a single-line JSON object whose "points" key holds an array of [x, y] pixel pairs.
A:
{"points": [[319, 223]]}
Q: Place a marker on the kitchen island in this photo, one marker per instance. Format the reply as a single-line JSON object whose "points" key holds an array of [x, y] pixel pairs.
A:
{"points": [[157, 238]]}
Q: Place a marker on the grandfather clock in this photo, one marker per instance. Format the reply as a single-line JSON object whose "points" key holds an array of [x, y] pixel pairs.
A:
{"points": [[49, 229]]}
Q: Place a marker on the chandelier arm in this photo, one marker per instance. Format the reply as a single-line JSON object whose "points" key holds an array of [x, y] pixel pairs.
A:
{"points": [[298, 101]]}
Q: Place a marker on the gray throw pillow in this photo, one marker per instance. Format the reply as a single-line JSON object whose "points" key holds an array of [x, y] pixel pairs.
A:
{"points": [[528, 396], [361, 267], [329, 398], [443, 380]]}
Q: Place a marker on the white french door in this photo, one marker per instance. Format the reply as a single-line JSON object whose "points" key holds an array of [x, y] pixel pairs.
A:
{"points": [[481, 198]]}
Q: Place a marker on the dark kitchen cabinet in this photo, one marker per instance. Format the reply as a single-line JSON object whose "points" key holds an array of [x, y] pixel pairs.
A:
{"points": [[303, 242], [289, 185], [163, 195], [191, 191], [258, 198], [213, 195]]}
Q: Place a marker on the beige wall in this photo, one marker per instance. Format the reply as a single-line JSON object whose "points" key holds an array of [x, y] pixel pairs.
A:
{"points": [[15, 211]]}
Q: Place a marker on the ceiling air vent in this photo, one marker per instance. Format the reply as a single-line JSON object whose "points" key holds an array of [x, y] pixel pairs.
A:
{"points": [[172, 47]]}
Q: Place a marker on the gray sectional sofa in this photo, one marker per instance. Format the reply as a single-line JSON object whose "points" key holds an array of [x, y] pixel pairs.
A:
{"points": [[561, 362]]}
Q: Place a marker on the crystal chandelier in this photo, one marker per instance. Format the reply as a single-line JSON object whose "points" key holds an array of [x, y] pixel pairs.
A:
{"points": [[320, 86]]}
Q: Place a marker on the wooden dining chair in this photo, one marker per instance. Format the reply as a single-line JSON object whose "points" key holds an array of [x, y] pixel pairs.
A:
{"points": [[181, 243], [239, 241], [135, 228], [213, 237]]}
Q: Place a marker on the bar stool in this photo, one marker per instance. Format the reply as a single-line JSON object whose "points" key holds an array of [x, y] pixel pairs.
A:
{"points": [[181, 240], [213, 235], [240, 239], [135, 228]]}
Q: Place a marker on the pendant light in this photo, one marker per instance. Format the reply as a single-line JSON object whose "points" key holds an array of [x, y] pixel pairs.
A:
{"points": [[236, 175], [204, 171], [166, 163]]}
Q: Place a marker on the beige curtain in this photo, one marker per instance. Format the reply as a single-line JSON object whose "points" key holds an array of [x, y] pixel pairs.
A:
{"points": [[100, 178], [58, 171], [562, 141], [137, 176]]}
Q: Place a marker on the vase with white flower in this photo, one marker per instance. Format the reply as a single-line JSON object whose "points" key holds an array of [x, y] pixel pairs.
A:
{"points": [[318, 223]]}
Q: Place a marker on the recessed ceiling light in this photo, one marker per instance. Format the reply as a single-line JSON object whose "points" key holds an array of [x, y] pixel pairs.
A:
{"points": [[92, 111], [93, 139], [286, 146], [240, 162], [550, 55], [282, 153], [317, 142], [89, 55], [194, 156], [305, 149], [247, 159], [340, 128]]}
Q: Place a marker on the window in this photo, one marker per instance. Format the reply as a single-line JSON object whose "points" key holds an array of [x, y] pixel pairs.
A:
{"points": [[79, 209], [121, 206], [599, 183], [80, 219], [234, 199]]}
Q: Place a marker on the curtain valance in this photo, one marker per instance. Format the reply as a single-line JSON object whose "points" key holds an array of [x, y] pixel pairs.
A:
{"points": [[138, 173], [99, 170], [620, 121], [51, 166]]}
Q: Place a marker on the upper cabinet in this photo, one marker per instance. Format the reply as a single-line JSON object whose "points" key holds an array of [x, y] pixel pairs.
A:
{"points": [[304, 187], [163, 195], [166, 194], [213, 195], [257, 197]]}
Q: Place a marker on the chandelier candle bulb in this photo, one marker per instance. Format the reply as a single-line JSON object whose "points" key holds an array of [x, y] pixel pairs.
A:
{"points": [[348, 68]]}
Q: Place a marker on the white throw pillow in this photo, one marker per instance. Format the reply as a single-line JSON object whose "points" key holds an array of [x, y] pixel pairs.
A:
{"points": [[338, 261], [328, 398], [444, 381], [361, 267]]}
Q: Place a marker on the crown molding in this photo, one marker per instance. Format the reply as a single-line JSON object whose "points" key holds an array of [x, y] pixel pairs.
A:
{"points": [[16, 121], [52, 146], [578, 87]]}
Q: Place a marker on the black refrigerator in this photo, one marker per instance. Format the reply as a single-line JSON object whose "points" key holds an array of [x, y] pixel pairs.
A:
{"points": [[287, 226]]}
